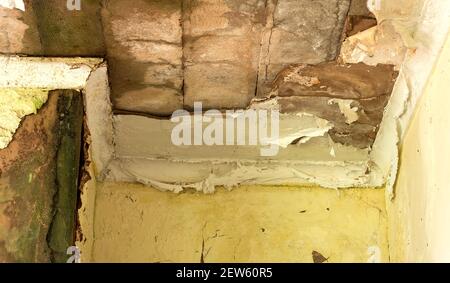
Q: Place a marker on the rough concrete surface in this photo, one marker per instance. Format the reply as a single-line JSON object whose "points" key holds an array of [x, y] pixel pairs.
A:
{"points": [[38, 183], [134, 223]]}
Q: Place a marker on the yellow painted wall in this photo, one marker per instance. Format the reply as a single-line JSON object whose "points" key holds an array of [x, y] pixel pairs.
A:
{"points": [[134, 223], [419, 217]]}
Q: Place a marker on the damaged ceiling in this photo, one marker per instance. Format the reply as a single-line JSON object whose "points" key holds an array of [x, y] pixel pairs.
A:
{"points": [[166, 55], [322, 60]]}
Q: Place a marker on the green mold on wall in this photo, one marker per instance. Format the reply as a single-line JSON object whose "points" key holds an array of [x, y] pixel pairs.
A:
{"points": [[39, 176]]}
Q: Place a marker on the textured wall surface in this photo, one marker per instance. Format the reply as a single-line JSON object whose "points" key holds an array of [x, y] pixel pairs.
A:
{"points": [[419, 215], [19, 31], [352, 97], [222, 45], [38, 183], [144, 48], [64, 32], [300, 31], [134, 223]]}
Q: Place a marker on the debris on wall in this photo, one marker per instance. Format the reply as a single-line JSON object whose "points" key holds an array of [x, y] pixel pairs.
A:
{"points": [[378, 45]]}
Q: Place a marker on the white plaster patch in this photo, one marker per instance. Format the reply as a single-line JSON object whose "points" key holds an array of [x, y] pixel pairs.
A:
{"points": [[345, 106], [144, 154], [99, 119], [206, 176], [48, 73], [318, 129], [13, 4]]}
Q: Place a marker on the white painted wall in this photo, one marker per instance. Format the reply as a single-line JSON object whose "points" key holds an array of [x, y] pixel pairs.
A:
{"points": [[419, 215]]}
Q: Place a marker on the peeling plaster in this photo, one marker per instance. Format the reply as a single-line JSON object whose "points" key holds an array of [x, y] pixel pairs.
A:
{"points": [[313, 159], [389, 41], [207, 176], [432, 29], [15, 104], [295, 77], [319, 128], [33, 75], [345, 106], [138, 151], [381, 44], [141, 143]]}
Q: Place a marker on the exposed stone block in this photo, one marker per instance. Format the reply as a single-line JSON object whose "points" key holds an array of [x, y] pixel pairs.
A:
{"points": [[144, 48], [160, 101], [146, 52], [134, 73], [300, 32], [218, 85], [222, 47], [154, 20], [155, 44], [65, 32], [232, 49]]}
